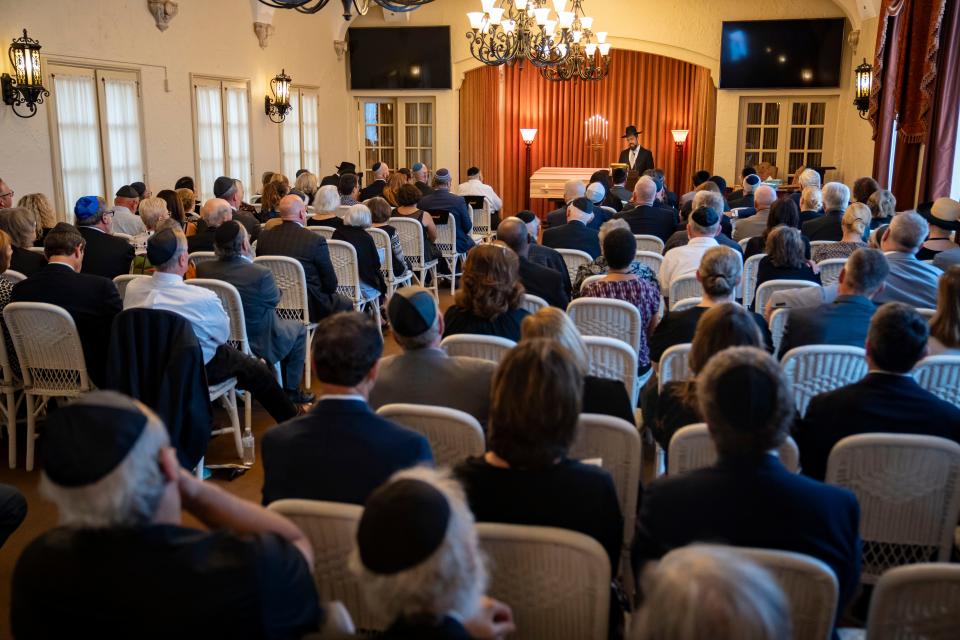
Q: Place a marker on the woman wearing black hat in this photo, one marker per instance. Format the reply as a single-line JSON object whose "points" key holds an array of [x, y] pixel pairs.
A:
{"points": [[943, 217]]}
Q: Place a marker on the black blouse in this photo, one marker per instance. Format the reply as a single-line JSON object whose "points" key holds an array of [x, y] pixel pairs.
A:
{"points": [[368, 260]]}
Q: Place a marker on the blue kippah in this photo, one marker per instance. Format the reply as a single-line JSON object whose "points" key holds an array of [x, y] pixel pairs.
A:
{"points": [[87, 207], [417, 166]]}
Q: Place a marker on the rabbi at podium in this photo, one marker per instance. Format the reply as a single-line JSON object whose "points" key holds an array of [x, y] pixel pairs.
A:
{"points": [[634, 156]]}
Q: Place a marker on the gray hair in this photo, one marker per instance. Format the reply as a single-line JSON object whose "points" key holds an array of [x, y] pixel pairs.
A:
{"points": [[214, 215], [452, 580], [573, 189], [707, 198], [909, 230], [151, 211], [181, 249], [836, 195], [327, 199], [882, 203], [811, 199], [764, 196], [358, 216], [421, 341], [21, 225], [720, 270], [128, 496], [645, 190], [865, 270], [810, 178], [610, 225]]}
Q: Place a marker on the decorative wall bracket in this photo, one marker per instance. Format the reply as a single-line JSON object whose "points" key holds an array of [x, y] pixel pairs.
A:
{"points": [[340, 48], [163, 11], [263, 30]]}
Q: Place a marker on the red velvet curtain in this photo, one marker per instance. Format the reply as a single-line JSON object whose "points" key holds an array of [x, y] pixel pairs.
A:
{"points": [[653, 92], [937, 170]]}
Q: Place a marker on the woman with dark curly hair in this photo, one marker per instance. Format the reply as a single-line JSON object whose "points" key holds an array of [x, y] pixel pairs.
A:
{"points": [[488, 302]]}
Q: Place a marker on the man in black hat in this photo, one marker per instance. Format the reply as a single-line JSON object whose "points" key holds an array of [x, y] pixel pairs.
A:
{"points": [[575, 234], [634, 156], [126, 205], [342, 168], [104, 255], [375, 189], [123, 563], [231, 190]]}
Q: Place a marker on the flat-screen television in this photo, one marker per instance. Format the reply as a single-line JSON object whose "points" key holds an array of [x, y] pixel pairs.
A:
{"points": [[400, 58], [771, 54]]}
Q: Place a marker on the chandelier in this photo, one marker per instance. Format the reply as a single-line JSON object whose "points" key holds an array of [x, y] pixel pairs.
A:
{"points": [[589, 56], [509, 30], [361, 6]]}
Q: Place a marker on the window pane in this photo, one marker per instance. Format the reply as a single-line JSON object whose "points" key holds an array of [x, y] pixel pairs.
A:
{"points": [[751, 159], [796, 159], [413, 157], [311, 132], [411, 114], [386, 136], [79, 138], [815, 138], [426, 113], [123, 132], [413, 137], [814, 159], [386, 155], [770, 136], [386, 113], [290, 137], [426, 136], [754, 112], [370, 113], [771, 113], [209, 138], [818, 112], [371, 157], [753, 138], [426, 157], [370, 137], [238, 135], [797, 137], [770, 157], [799, 115]]}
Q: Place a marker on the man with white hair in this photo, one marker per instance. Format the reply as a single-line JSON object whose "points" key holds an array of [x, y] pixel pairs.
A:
{"points": [[808, 178], [644, 216], [910, 280], [375, 189], [836, 198], [575, 234], [811, 204], [6, 195], [122, 562], [231, 190], [420, 174], [572, 189], [214, 213], [763, 198]]}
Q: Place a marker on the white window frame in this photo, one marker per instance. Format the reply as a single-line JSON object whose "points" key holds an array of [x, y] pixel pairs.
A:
{"points": [[293, 125], [224, 84], [98, 73], [400, 130]]}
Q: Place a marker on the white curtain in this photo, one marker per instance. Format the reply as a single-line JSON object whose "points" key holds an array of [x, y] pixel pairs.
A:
{"points": [[238, 137], [123, 132], [290, 135], [209, 138], [79, 138], [310, 105]]}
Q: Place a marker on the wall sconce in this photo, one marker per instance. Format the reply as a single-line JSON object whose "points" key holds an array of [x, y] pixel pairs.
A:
{"points": [[864, 82], [279, 106], [27, 87]]}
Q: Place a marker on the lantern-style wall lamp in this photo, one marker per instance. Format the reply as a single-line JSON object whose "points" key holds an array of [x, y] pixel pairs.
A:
{"points": [[278, 107], [25, 88], [864, 80]]}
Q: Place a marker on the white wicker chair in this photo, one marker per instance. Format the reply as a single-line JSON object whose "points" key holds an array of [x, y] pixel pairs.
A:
{"points": [[202, 256], [617, 444], [686, 303], [481, 230], [13, 277], [750, 267], [574, 259], [607, 317], [589, 279], [615, 360], [908, 487], [491, 348], [123, 280], [926, 313], [331, 528], [411, 239], [39, 250], [770, 287], [830, 270], [815, 369], [322, 230], [921, 601], [382, 239], [683, 288], [650, 258], [940, 375], [675, 364], [344, 259], [778, 326], [454, 435], [743, 243], [292, 283], [556, 581], [649, 243], [447, 244], [691, 447], [50, 356], [533, 303], [10, 387]]}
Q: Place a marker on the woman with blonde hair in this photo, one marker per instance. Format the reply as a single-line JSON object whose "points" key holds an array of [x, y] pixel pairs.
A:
{"points": [[855, 225], [488, 302], [39, 205], [945, 324], [883, 206], [307, 183]]}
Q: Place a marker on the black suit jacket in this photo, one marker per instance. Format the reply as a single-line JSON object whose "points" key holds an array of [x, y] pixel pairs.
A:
{"points": [[373, 190], [845, 321], [310, 249], [340, 451], [807, 216], [104, 254], [754, 504], [424, 188], [556, 218], [543, 282], [92, 302], [249, 221], [826, 227], [650, 220], [644, 160], [26, 262], [550, 258], [879, 403], [742, 201], [573, 235], [202, 240]]}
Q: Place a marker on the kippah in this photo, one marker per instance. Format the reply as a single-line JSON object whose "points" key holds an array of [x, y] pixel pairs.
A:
{"points": [[526, 216], [87, 207], [221, 185], [748, 393], [126, 191], [596, 192], [417, 166], [161, 246], [705, 216], [411, 311], [376, 166], [442, 175], [139, 187], [225, 234], [186, 182], [583, 204], [752, 180], [402, 524]]}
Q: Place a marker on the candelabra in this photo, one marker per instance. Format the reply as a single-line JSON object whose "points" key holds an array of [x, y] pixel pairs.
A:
{"points": [[582, 62]]}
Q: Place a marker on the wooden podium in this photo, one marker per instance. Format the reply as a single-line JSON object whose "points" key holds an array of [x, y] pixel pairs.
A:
{"points": [[547, 182]]}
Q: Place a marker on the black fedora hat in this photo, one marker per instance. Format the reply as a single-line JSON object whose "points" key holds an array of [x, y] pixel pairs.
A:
{"points": [[346, 167], [631, 131]]}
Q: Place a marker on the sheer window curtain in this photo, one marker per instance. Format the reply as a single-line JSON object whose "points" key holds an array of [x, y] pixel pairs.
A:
{"points": [[123, 127], [80, 163], [309, 122], [290, 130], [238, 137], [209, 138]]}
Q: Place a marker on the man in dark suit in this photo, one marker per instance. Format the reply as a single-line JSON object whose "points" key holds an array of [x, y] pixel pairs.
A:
{"points": [[375, 189], [420, 174], [293, 240], [572, 189], [538, 281], [750, 183], [541, 255], [213, 213], [91, 300], [836, 197], [272, 338], [846, 320], [748, 498], [442, 200], [887, 400], [341, 450], [231, 190], [334, 178], [634, 156], [575, 234], [104, 255], [644, 217]]}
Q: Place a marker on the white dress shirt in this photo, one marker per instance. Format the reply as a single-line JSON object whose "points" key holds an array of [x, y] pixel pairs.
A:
{"points": [[633, 156], [683, 261], [200, 306], [126, 222], [476, 188]]}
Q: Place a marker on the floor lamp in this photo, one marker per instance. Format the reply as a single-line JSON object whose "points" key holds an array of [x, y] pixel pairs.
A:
{"points": [[679, 138], [528, 135]]}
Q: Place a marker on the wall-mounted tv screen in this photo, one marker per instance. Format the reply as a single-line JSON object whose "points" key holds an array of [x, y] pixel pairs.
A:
{"points": [[770, 54], [400, 58]]}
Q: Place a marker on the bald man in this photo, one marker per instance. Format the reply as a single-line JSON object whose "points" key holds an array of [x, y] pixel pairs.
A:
{"points": [[375, 189], [213, 213], [291, 239], [644, 216], [537, 280]]}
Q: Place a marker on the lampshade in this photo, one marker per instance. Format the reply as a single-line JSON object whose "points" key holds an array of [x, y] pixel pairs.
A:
{"points": [[528, 135], [25, 88], [864, 82], [279, 106], [680, 135]]}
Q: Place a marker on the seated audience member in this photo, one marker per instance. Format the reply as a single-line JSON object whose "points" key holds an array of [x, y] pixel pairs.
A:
{"points": [[407, 199], [349, 188], [19, 225], [910, 281], [273, 193], [13, 511], [541, 255], [272, 338], [424, 373], [341, 450], [191, 208], [419, 173], [333, 179], [575, 234], [619, 188], [6, 291], [394, 182], [526, 477], [105, 255], [722, 187], [644, 216], [231, 190], [43, 214], [292, 240], [745, 600], [754, 225], [883, 206], [703, 226], [707, 195], [845, 319], [175, 210], [308, 183], [855, 225], [665, 198], [748, 498], [598, 192], [418, 557], [600, 395], [110, 470], [747, 200], [488, 302], [811, 204], [143, 191], [352, 230], [599, 265], [675, 405], [538, 281], [325, 208], [863, 188], [442, 200], [474, 186], [380, 212], [125, 203], [808, 178], [92, 301], [213, 213], [572, 189], [620, 248], [942, 218], [784, 259], [945, 324], [783, 212], [166, 289], [887, 400], [836, 198], [699, 178], [152, 211]]}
